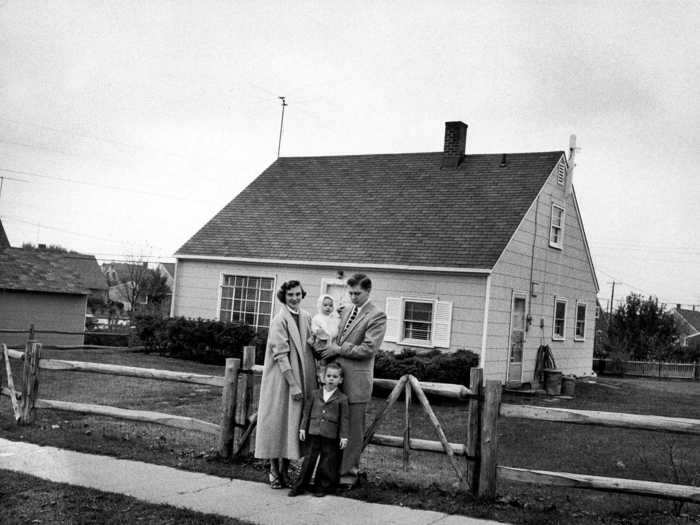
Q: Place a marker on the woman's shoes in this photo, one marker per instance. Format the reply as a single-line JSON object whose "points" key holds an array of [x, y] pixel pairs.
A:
{"points": [[276, 481]]}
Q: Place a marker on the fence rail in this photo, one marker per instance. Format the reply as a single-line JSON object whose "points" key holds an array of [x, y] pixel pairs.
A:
{"points": [[479, 447], [647, 368]]}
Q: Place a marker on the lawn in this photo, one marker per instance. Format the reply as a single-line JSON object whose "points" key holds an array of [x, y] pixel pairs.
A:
{"points": [[26, 499], [430, 481]]}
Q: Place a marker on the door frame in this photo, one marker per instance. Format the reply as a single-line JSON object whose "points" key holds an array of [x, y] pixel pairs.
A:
{"points": [[516, 294]]}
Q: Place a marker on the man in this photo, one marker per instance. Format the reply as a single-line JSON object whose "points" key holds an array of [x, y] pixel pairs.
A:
{"points": [[361, 332]]}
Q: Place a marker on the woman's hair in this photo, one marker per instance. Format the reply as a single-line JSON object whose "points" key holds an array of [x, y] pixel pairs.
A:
{"points": [[322, 298], [286, 286]]}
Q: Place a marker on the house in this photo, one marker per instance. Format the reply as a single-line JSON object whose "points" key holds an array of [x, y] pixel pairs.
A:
{"points": [[485, 252], [137, 283], [49, 289], [688, 325]]}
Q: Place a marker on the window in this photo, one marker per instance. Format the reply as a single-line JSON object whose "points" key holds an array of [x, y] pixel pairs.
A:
{"points": [[561, 173], [556, 230], [418, 322], [559, 325], [580, 330], [247, 299]]}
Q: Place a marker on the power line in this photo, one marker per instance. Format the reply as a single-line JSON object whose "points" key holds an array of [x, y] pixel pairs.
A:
{"points": [[96, 185], [24, 221]]}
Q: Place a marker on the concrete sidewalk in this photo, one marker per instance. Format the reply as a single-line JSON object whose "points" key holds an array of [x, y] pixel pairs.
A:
{"points": [[244, 500]]}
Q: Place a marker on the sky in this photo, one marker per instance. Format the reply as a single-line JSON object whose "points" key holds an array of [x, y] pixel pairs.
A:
{"points": [[126, 125]]}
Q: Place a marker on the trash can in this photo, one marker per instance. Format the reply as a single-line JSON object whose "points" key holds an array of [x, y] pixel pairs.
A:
{"points": [[552, 381], [568, 386]]}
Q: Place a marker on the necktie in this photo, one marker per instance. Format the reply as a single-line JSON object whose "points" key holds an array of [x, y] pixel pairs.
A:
{"points": [[353, 314]]}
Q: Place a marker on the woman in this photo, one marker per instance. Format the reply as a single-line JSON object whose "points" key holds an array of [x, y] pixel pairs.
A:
{"points": [[289, 376]]}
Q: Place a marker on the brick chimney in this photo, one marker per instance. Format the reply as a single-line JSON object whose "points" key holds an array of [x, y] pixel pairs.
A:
{"points": [[455, 144]]}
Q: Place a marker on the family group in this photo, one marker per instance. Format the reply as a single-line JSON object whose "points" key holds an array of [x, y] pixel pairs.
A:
{"points": [[316, 384]]}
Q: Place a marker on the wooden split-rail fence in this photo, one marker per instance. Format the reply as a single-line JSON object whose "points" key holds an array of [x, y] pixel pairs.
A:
{"points": [[479, 446]]}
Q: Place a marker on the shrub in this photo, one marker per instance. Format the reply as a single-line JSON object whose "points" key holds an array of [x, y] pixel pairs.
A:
{"points": [[437, 366], [98, 338], [200, 340]]}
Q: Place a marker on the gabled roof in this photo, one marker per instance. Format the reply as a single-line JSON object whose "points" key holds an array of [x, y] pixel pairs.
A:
{"points": [[169, 267], [692, 317], [396, 209], [49, 271], [4, 241]]}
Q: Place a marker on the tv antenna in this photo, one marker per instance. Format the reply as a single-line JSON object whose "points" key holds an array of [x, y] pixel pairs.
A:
{"points": [[279, 143]]}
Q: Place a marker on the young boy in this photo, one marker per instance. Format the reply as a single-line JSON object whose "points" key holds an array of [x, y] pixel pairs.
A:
{"points": [[325, 423]]}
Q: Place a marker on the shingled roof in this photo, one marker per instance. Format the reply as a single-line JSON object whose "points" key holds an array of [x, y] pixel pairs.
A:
{"points": [[50, 271], [692, 317], [395, 209]]}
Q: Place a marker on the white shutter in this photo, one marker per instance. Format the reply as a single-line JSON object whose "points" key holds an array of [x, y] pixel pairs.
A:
{"points": [[394, 306], [443, 324]]}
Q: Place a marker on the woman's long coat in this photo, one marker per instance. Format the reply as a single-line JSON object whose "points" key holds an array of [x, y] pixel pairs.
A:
{"points": [[277, 434]]}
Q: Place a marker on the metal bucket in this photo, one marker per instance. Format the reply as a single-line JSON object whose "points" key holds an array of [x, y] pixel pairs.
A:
{"points": [[552, 381], [568, 386]]}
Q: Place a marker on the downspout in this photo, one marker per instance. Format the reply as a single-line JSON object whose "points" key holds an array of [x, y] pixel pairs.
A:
{"points": [[485, 326], [531, 291]]}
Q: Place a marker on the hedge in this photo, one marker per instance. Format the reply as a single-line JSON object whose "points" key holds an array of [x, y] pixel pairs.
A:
{"points": [[437, 366], [212, 342], [200, 340]]}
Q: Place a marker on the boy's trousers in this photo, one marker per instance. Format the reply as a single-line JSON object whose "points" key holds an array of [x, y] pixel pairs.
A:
{"points": [[327, 472]]}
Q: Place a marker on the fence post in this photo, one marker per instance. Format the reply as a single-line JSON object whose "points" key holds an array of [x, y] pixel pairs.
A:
{"points": [[30, 380], [244, 398], [407, 426], [476, 379], [228, 407], [488, 446]]}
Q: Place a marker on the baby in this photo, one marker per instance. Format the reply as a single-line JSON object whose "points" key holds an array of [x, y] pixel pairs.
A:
{"points": [[324, 327]]}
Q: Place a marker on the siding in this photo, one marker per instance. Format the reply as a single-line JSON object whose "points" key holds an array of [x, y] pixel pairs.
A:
{"points": [[197, 292], [563, 273], [47, 311]]}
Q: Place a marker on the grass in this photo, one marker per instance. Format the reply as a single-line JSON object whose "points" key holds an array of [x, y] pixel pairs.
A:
{"points": [[26, 499], [430, 481]]}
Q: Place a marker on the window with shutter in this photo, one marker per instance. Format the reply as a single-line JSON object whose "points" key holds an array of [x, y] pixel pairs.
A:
{"points": [[419, 322]]}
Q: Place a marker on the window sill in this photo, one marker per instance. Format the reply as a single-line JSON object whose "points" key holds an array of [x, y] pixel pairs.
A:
{"points": [[416, 342], [559, 247], [579, 339], [558, 339]]}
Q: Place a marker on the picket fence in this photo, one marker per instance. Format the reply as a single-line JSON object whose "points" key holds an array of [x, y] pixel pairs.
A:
{"points": [[647, 368]]}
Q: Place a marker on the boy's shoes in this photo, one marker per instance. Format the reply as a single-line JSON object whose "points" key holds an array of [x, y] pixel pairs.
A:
{"points": [[295, 492]]}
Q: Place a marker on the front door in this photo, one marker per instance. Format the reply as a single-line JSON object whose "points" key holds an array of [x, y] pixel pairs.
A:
{"points": [[517, 340]]}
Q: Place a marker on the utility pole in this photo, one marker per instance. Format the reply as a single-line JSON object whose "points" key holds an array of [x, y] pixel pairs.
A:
{"points": [[279, 143], [612, 297]]}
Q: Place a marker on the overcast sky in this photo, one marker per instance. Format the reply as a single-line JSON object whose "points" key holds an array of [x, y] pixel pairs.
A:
{"points": [[125, 126]]}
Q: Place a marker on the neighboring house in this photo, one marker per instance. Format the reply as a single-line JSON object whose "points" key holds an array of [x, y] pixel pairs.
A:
{"points": [[167, 269], [48, 289], [688, 325], [481, 251], [124, 277], [4, 242]]}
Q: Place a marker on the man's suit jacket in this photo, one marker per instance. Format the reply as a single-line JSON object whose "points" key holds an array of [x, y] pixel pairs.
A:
{"points": [[330, 419], [358, 346]]}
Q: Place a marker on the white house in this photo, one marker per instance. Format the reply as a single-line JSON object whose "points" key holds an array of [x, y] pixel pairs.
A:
{"points": [[479, 251]]}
